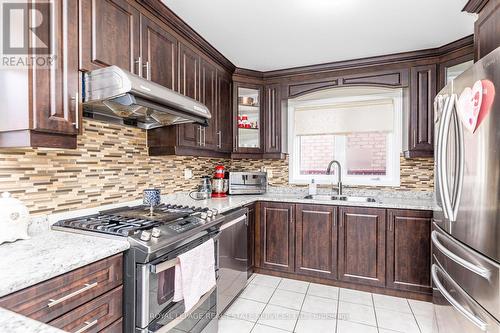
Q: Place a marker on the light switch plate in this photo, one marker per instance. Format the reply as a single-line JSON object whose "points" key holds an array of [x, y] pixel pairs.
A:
{"points": [[188, 174]]}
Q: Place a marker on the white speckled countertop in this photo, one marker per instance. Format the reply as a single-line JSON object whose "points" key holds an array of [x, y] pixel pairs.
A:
{"points": [[12, 322], [235, 201], [49, 254]]}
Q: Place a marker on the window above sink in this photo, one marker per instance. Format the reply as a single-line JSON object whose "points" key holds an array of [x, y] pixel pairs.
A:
{"points": [[359, 127]]}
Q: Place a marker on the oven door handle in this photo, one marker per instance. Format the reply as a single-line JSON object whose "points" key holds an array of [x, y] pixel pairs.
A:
{"points": [[180, 318], [161, 267], [158, 268]]}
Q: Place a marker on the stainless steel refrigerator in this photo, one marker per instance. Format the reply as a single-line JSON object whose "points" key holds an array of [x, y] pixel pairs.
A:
{"points": [[466, 226]]}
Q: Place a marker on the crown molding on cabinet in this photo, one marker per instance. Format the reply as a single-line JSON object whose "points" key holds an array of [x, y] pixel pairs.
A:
{"points": [[186, 31], [474, 6]]}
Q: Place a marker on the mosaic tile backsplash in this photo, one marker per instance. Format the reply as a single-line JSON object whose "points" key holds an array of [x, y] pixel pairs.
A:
{"points": [[111, 165]]}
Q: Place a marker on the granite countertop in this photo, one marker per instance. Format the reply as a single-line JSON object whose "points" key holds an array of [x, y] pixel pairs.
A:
{"points": [[49, 254], [235, 201], [15, 323]]}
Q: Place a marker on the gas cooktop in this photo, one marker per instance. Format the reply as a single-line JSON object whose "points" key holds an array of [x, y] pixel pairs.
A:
{"points": [[168, 224]]}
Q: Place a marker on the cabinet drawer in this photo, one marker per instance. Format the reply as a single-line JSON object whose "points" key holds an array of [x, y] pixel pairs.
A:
{"points": [[93, 316], [116, 327], [53, 298]]}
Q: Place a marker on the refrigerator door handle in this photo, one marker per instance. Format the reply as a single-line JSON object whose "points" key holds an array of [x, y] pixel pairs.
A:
{"points": [[442, 159], [439, 182], [485, 273], [467, 314], [460, 162]]}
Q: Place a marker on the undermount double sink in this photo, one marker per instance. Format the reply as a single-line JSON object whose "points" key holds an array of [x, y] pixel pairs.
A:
{"points": [[325, 197]]}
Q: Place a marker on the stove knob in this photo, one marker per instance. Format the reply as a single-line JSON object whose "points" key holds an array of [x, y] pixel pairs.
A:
{"points": [[210, 214], [155, 232], [204, 216], [145, 235]]}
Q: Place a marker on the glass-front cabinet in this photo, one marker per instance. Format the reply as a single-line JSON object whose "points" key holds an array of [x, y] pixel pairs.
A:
{"points": [[248, 122]]}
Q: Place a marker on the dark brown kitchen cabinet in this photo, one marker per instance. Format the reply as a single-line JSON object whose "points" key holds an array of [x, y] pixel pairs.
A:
{"points": [[272, 119], [85, 291], [251, 237], [94, 316], [316, 240], [190, 135], [158, 54], [40, 105], [362, 245], [423, 82], [248, 103], [409, 250], [486, 27], [209, 98], [224, 113], [110, 32], [276, 236]]}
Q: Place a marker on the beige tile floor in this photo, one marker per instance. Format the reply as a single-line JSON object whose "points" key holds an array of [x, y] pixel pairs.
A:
{"points": [[275, 305]]}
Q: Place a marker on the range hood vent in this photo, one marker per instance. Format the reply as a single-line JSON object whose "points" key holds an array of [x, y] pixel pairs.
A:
{"points": [[115, 95]]}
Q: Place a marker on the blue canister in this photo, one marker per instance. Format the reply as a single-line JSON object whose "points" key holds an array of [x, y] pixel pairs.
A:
{"points": [[151, 197]]}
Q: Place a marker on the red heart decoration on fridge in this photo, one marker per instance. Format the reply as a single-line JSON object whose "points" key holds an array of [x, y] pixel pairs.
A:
{"points": [[475, 103]]}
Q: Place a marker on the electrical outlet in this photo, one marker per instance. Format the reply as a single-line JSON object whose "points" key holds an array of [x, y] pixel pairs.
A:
{"points": [[269, 173], [188, 174]]}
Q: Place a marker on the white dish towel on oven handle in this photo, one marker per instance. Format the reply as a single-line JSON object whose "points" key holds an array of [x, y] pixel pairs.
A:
{"points": [[194, 274]]}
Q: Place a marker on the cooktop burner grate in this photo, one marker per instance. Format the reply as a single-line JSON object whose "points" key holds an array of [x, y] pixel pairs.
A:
{"points": [[128, 221]]}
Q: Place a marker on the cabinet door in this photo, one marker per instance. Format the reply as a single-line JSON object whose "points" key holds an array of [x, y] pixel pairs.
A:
{"points": [[421, 127], [362, 245], [209, 98], [110, 35], [56, 90], [224, 113], [316, 240], [251, 238], [272, 119], [159, 54], [409, 250], [277, 236], [189, 85], [248, 135]]}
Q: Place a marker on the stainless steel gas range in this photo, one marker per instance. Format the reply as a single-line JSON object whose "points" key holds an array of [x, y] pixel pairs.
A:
{"points": [[149, 267]]}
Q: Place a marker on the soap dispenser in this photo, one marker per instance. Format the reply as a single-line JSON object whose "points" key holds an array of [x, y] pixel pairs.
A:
{"points": [[312, 187]]}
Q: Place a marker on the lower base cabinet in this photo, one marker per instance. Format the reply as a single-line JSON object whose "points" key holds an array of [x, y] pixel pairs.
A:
{"points": [[276, 237], [88, 299], [409, 250], [316, 240], [362, 245], [386, 250], [251, 238]]}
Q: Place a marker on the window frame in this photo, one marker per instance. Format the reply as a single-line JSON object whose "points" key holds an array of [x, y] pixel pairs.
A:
{"points": [[394, 143]]}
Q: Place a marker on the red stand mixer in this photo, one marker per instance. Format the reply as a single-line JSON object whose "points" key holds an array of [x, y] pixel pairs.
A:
{"points": [[220, 184]]}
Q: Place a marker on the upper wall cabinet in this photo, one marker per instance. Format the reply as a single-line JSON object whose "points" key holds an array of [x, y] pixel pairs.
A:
{"points": [[224, 113], [486, 27], [110, 32], [259, 121], [40, 104], [248, 106], [273, 125], [421, 114], [158, 54]]}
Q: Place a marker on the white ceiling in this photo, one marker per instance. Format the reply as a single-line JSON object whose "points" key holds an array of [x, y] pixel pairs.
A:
{"points": [[274, 34]]}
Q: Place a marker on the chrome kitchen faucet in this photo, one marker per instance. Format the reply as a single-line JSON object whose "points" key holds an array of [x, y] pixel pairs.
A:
{"points": [[328, 172]]}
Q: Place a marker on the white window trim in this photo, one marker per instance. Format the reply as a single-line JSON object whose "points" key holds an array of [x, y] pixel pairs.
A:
{"points": [[393, 153]]}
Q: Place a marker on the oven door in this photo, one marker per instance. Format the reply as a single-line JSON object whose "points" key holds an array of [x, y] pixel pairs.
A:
{"points": [[156, 312]]}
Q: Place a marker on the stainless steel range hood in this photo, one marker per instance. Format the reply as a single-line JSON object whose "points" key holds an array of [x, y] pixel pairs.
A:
{"points": [[118, 96]]}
